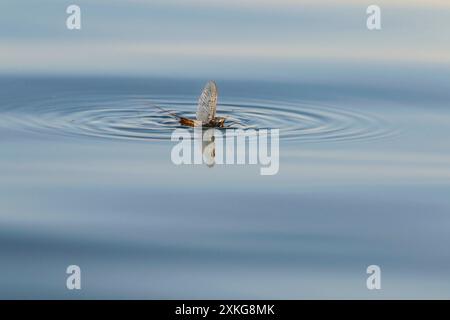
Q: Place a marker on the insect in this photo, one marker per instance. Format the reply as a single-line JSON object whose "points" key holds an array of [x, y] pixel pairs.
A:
{"points": [[206, 109]]}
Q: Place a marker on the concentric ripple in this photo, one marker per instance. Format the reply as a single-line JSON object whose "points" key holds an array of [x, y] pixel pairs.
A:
{"points": [[141, 117]]}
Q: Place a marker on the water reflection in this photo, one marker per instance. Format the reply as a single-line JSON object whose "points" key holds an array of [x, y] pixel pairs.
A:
{"points": [[209, 148]]}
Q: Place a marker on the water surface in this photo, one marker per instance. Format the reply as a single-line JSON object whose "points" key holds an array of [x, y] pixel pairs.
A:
{"points": [[86, 179]]}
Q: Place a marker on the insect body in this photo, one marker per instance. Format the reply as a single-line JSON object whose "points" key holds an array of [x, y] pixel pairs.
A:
{"points": [[206, 109]]}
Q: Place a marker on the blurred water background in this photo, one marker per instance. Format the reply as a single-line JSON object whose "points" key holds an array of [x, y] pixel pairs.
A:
{"points": [[86, 176]]}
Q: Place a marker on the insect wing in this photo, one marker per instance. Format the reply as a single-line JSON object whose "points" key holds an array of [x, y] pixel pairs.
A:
{"points": [[206, 109]]}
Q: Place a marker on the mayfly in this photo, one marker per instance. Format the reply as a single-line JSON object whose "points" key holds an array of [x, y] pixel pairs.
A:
{"points": [[206, 109]]}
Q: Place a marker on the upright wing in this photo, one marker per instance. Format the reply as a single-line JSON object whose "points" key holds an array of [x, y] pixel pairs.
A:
{"points": [[206, 109]]}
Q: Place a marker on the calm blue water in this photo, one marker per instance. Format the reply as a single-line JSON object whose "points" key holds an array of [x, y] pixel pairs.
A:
{"points": [[86, 179]]}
